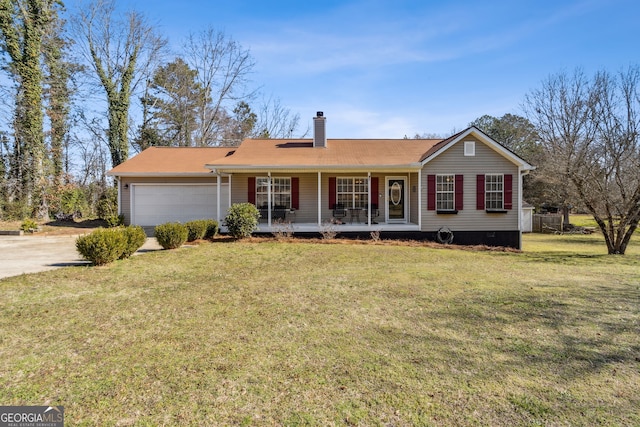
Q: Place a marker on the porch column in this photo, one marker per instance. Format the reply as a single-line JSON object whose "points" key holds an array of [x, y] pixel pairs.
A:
{"points": [[420, 199], [269, 199], [229, 183], [369, 199], [218, 189], [319, 198]]}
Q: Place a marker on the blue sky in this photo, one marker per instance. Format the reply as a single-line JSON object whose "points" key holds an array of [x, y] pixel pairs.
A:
{"points": [[385, 69]]}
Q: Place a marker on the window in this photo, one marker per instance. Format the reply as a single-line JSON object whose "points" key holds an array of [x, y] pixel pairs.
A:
{"points": [[494, 192], [445, 186], [352, 192], [445, 193], [469, 148], [280, 192]]}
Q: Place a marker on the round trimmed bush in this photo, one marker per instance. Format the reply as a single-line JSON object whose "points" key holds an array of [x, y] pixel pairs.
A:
{"points": [[212, 228], [136, 237], [197, 229], [171, 235], [102, 246], [242, 220]]}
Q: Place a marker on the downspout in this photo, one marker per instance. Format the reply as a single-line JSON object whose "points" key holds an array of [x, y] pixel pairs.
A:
{"points": [[119, 195], [520, 175], [319, 199]]}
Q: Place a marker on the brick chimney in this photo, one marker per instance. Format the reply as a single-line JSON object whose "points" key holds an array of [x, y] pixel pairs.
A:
{"points": [[319, 130]]}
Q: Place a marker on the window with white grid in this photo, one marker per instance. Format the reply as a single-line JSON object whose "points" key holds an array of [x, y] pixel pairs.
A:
{"points": [[352, 192], [445, 192], [493, 192], [280, 192]]}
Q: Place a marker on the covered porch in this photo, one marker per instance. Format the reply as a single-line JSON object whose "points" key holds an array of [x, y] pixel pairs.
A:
{"points": [[349, 200]]}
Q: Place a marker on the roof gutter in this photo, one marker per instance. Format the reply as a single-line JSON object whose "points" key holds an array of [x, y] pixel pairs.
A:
{"points": [[159, 174], [313, 168]]}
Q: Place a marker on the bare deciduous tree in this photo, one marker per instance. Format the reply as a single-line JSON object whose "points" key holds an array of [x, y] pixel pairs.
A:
{"points": [[223, 67], [276, 121], [120, 53], [519, 135], [590, 131], [22, 27]]}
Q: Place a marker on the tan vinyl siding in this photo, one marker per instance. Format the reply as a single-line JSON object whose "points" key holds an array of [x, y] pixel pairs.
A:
{"points": [[413, 198], [239, 183], [307, 192], [308, 198], [486, 161]]}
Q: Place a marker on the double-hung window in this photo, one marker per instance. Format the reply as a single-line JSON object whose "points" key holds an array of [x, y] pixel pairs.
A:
{"points": [[280, 192], [352, 192], [494, 192], [445, 192]]}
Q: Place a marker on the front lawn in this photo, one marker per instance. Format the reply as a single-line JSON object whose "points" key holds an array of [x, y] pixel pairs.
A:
{"points": [[331, 334]]}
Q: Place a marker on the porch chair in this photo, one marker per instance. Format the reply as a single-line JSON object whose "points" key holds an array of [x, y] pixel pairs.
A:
{"points": [[339, 211], [375, 213]]}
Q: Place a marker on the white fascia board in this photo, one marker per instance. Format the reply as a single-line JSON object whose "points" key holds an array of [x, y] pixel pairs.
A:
{"points": [[162, 174], [315, 168]]}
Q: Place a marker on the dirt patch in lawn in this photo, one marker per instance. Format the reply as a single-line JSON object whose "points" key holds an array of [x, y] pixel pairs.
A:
{"points": [[59, 228], [381, 242]]}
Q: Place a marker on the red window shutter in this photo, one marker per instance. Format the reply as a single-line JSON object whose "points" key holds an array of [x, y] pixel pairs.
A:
{"points": [[480, 192], [374, 190], [332, 191], [431, 192], [295, 193], [459, 196], [508, 191], [251, 190]]}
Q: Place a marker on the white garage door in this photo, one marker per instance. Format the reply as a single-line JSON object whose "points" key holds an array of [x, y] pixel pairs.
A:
{"points": [[159, 203]]}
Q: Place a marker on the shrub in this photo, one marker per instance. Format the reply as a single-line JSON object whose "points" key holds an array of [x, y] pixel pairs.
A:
{"points": [[16, 211], [242, 220], [328, 230], [136, 237], [108, 204], [29, 226], [115, 220], [102, 246], [212, 228], [197, 229], [73, 202], [171, 235], [282, 229]]}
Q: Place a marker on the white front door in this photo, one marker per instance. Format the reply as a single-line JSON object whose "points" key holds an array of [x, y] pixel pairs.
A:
{"points": [[397, 205]]}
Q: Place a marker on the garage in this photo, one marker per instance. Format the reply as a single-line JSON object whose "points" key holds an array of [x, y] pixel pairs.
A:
{"points": [[153, 204]]}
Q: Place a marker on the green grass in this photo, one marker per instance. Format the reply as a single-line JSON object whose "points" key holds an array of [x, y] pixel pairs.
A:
{"points": [[309, 334]]}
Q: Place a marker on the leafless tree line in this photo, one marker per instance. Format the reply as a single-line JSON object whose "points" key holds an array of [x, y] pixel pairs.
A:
{"points": [[87, 75], [589, 128]]}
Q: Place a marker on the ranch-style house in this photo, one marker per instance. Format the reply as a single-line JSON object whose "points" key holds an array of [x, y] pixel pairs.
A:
{"points": [[466, 188]]}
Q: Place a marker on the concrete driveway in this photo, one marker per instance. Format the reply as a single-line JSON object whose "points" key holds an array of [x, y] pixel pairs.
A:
{"points": [[35, 253]]}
